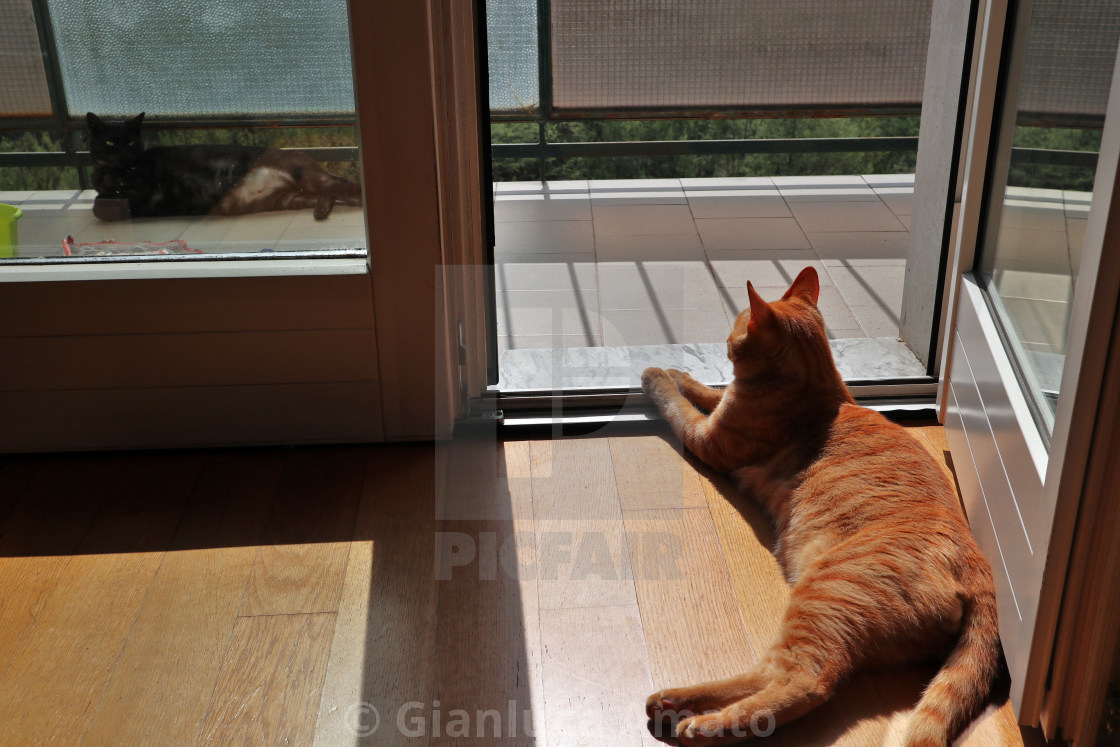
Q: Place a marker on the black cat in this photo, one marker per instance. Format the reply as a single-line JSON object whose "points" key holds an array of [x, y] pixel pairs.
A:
{"points": [[204, 179]]}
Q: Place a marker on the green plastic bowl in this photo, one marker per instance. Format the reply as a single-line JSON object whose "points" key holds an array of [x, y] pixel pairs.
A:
{"points": [[9, 236]]}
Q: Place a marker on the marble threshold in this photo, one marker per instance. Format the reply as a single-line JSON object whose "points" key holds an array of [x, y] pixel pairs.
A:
{"points": [[557, 369]]}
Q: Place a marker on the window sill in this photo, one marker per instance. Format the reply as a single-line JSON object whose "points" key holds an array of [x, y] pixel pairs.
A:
{"points": [[160, 267]]}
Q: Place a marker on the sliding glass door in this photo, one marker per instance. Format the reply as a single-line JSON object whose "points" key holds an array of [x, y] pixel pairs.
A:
{"points": [[650, 159], [1036, 291]]}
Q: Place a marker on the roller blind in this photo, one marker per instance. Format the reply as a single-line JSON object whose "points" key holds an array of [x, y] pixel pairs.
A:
{"points": [[1072, 46], [23, 81]]}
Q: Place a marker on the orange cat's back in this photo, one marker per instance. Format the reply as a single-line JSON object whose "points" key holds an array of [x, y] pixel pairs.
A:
{"points": [[874, 485], [883, 468]]}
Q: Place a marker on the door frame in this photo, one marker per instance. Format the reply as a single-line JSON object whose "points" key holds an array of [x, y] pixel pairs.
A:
{"points": [[1058, 473]]}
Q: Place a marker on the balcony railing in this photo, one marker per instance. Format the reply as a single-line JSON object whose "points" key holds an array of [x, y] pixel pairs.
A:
{"points": [[550, 61]]}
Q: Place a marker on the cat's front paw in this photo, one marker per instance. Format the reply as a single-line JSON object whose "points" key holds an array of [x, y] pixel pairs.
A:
{"points": [[660, 702], [709, 730], [680, 378], [653, 379], [665, 715]]}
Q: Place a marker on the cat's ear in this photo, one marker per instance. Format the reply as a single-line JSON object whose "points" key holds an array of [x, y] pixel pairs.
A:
{"points": [[806, 286], [135, 123], [761, 313], [94, 122]]}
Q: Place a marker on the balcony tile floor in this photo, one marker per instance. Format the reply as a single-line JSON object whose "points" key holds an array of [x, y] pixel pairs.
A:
{"points": [[666, 261]]}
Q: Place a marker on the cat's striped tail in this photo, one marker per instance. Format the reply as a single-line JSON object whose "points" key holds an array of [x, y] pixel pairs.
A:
{"points": [[958, 691]]}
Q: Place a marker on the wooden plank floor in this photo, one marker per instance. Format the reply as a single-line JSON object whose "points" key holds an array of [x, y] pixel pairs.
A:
{"points": [[410, 594]]}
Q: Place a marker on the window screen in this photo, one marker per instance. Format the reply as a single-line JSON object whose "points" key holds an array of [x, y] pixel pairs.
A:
{"points": [[666, 54], [511, 40], [204, 57], [1072, 48]]}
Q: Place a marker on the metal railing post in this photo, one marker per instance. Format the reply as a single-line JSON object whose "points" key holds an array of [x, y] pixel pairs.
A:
{"points": [[56, 89], [544, 79]]}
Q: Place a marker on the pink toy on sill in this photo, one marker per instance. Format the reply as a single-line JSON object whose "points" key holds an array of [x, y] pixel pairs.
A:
{"points": [[124, 248]]}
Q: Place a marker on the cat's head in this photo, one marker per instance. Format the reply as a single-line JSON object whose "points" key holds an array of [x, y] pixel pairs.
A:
{"points": [[785, 337], [116, 144]]}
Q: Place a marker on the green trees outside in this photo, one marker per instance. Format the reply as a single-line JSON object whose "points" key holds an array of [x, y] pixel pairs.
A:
{"points": [[13, 179], [724, 165], [1024, 173], [646, 167], [21, 179]]}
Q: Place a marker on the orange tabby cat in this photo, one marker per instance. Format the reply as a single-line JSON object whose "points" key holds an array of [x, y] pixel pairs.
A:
{"points": [[883, 565]]}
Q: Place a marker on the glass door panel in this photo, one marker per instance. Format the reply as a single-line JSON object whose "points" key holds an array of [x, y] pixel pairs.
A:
{"points": [[1042, 181], [1035, 287]]}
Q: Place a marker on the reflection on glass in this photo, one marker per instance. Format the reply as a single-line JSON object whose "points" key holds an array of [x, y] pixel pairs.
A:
{"points": [[247, 144], [1031, 253]]}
